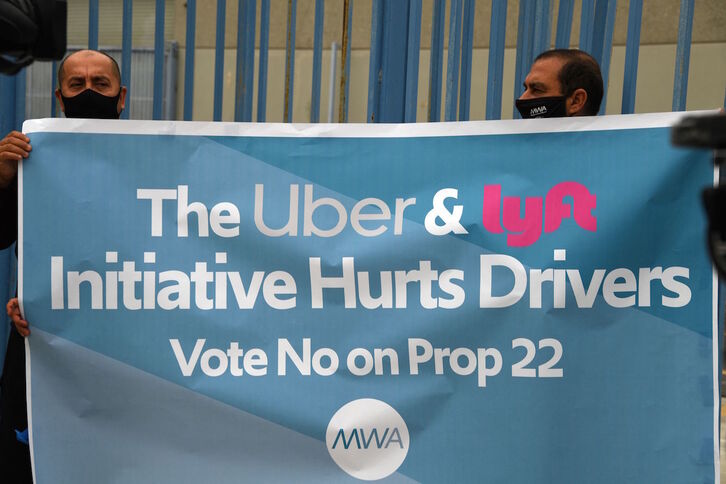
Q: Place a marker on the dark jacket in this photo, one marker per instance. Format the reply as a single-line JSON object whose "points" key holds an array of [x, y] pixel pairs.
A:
{"points": [[14, 455]]}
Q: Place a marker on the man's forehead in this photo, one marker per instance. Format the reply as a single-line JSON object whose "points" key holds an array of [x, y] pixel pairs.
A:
{"points": [[545, 70], [88, 63]]}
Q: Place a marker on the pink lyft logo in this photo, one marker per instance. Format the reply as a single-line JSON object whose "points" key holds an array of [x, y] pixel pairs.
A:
{"points": [[526, 231]]}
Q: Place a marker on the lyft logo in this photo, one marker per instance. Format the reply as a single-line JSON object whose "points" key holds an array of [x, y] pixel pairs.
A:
{"points": [[500, 214]]}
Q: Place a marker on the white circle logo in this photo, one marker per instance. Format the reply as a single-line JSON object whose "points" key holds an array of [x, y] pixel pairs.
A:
{"points": [[368, 439]]}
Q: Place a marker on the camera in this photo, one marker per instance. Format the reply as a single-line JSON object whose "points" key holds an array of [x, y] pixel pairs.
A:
{"points": [[31, 30], [709, 132]]}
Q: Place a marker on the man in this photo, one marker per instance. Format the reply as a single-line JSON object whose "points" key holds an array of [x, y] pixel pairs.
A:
{"points": [[90, 87], [562, 82]]}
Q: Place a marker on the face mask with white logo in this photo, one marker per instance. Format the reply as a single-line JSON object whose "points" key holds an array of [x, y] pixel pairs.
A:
{"points": [[542, 107]]}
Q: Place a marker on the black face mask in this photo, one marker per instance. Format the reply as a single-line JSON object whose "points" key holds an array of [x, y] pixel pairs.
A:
{"points": [[91, 104], [542, 107]]}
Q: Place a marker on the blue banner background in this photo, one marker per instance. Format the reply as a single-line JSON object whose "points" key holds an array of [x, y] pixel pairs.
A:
{"points": [[636, 400]]}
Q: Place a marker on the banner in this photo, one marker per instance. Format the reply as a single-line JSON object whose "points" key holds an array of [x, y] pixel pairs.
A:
{"points": [[511, 301]]}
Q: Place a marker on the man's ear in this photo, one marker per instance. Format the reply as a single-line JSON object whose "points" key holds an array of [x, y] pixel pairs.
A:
{"points": [[121, 99], [60, 99], [576, 103]]}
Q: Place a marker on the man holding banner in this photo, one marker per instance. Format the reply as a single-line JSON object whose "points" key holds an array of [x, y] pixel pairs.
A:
{"points": [[562, 82], [90, 87]]}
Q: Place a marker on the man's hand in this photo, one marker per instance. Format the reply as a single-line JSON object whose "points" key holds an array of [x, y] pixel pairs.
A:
{"points": [[13, 309], [13, 148]]}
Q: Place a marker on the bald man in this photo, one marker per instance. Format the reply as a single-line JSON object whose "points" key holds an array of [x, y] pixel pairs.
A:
{"points": [[89, 87], [560, 83]]}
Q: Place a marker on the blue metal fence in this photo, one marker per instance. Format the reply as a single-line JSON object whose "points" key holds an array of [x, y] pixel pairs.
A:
{"points": [[158, 57], [396, 28]]}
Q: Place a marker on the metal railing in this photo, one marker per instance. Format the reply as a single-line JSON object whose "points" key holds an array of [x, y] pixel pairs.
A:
{"points": [[396, 27]]}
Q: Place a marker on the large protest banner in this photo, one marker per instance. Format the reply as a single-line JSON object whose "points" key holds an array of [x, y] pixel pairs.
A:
{"points": [[514, 301]]}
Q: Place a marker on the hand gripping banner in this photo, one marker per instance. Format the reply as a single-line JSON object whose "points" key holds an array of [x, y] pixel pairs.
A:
{"points": [[510, 301]]}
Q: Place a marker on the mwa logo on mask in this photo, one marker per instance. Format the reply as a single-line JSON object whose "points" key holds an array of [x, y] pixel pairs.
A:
{"points": [[500, 214]]}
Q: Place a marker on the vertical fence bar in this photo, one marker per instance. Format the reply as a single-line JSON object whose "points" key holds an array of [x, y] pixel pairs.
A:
{"points": [[331, 86], [93, 24], [20, 89], [189, 60], [53, 84], [170, 82], [607, 48], [542, 21], [219, 59], [264, 48], [529, 53], [683, 55], [7, 104], [587, 18], [246, 13], [525, 28], [290, 59], [495, 71], [348, 61], [452, 61], [28, 80], [391, 108], [564, 24], [375, 63], [250, 21], [345, 61], [635, 16], [467, 41], [239, 84], [436, 64], [158, 58], [412, 60], [598, 31], [518, 75], [317, 62], [126, 37]]}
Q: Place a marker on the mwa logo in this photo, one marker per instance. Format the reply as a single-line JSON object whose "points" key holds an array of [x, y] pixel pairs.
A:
{"points": [[388, 436], [500, 214], [368, 439]]}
